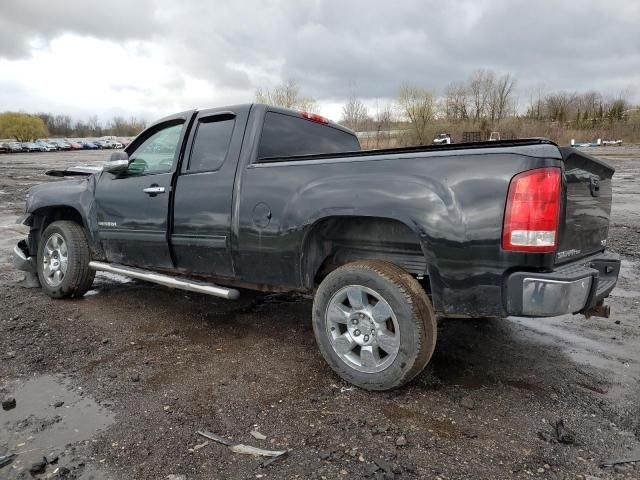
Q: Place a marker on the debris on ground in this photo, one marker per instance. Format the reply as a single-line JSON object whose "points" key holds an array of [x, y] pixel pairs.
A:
{"points": [[241, 448], [271, 460], [8, 403], [619, 461], [6, 459], [38, 467], [214, 437], [198, 447], [250, 450], [257, 435], [401, 441], [563, 434], [58, 404]]}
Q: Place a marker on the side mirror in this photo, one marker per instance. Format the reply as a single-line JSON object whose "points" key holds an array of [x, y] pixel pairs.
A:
{"points": [[118, 162]]}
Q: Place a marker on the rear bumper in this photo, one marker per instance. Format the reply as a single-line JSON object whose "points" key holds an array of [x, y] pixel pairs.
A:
{"points": [[572, 288]]}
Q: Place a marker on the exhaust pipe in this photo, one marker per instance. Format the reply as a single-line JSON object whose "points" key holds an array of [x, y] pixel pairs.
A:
{"points": [[167, 280]]}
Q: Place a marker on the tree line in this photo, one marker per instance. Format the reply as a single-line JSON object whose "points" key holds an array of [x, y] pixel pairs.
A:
{"points": [[484, 101], [25, 127]]}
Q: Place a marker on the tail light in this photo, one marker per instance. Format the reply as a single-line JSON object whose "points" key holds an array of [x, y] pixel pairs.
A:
{"points": [[531, 214], [314, 117]]}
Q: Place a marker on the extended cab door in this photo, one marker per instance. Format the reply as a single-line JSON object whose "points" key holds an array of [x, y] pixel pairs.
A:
{"points": [[201, 234], [132, 207]]}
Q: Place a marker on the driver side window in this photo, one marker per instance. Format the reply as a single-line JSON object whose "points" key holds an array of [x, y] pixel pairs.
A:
{"points": [[156, 153]]}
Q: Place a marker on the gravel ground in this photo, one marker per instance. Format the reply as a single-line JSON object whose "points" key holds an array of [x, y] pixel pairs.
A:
{"points": [[116, 385]]}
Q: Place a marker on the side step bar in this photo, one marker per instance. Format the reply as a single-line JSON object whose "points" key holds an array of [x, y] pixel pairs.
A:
{"points": [[167, 280]]}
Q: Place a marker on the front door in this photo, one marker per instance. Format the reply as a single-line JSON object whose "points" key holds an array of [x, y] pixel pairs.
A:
{"points": [[132, 207]]}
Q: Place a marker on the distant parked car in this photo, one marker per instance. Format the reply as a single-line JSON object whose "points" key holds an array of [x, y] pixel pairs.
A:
{"points": [[46, 146], [32, 147], [15, 147], [116, 144], [4, 147], [102, 143], [124, 141], [73, 145], [61, 144], [86, 145]]}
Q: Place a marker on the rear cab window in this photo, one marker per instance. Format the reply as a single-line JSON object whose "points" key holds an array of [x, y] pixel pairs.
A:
{"points": [[211, 143], [287, 135]]}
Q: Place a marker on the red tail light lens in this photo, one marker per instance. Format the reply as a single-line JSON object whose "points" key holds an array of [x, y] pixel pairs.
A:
{"points": [[531, 215], [314, 117]]}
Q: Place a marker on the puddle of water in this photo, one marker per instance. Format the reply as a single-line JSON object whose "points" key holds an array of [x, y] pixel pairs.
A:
{"points": [[36, 428]]}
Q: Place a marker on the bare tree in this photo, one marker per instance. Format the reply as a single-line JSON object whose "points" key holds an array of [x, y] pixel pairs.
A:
{"points": [[558, 106], [480, 88], [417, 104], [456, 102], [354, 114], [383, 120], [94, 125], [285, 95], [503, 91]]}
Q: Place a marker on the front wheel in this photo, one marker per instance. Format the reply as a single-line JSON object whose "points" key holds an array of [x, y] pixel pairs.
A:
{"points": [[374, 324], [63, 260]]}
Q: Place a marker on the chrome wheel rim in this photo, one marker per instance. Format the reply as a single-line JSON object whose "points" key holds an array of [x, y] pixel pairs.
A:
{"points": [[362, 328], [55, 259]]}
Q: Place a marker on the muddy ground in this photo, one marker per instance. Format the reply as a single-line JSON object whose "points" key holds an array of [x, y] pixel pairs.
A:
{"points": [[115, 385]]}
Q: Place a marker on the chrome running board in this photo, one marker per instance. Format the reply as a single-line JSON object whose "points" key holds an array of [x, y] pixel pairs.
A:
{"points": [[167, 280]]}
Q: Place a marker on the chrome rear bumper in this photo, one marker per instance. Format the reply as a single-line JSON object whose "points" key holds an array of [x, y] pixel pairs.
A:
{"points": [[577, 287]]}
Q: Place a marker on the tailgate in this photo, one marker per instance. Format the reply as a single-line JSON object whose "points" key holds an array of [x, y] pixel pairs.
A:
{"points": [[585, 225]]}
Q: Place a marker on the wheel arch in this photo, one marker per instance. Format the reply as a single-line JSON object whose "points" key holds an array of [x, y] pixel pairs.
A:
{"points": [[42, 217], [335, 240]]}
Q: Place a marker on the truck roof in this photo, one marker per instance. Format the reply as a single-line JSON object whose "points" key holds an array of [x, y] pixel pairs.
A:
{"points": [[287, 111]]}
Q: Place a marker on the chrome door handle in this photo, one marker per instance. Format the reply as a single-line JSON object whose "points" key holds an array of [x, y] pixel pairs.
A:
{"points": [[154, 190]]}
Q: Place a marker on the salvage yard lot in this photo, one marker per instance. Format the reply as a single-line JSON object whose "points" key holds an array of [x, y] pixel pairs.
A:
{"points": [[140, 368]]}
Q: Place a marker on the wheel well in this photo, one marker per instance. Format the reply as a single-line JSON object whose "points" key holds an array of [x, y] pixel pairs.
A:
{"points": [[335, 241], [44, 216]]}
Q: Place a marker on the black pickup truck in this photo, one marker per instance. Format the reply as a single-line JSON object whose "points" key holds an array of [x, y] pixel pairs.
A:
{"points": [[258, 197]]}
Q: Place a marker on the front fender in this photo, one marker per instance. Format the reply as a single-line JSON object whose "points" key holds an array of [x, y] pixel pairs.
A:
{"points": [[76, 194]]}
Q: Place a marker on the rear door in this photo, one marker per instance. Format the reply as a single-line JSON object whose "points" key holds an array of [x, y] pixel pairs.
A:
{"points": [[201, 234], [132, 207], [585, 225]]}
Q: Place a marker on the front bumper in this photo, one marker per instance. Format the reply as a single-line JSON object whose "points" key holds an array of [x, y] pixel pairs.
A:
{"points": [[21, 259], [576, 287]]}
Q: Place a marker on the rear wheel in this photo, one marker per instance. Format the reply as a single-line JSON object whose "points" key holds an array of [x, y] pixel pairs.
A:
{"points": [[374, 324], [63, 260]]}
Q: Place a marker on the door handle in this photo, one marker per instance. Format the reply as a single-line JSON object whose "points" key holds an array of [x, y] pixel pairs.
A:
{"points": [[154, 190]]}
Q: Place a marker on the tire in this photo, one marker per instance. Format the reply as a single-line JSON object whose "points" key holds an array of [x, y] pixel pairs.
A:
{"points": [[401, 339], [76, 277]]}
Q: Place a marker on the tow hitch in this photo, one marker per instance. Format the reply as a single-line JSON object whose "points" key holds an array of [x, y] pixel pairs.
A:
{"points": [[600, 310]]}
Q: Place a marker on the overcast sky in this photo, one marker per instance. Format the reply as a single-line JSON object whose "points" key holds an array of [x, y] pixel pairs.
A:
{"points": [[154, 57]]}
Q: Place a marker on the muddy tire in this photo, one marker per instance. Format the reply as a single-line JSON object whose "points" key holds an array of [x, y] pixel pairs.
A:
{"points": [[63, 260], [374, 324]]}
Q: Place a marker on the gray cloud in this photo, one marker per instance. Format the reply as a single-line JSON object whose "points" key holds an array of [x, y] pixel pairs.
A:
{"points": [[335, 48], [23, 22]]}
